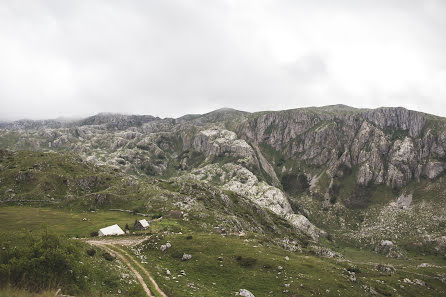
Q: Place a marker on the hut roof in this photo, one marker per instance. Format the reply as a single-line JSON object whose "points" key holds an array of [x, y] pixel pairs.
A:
{"points": [[111, 230], [144, 223]]}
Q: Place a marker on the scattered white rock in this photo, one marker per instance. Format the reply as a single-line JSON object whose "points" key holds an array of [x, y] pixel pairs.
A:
{"points": [[386, 243], [420, 282], [408, 281], [387, 268], [352, 276], [245, 293], [186, 257], [424, 265]]}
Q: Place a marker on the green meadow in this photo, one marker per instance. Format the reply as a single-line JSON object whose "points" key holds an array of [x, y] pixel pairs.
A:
{"points": [[62, 222]]}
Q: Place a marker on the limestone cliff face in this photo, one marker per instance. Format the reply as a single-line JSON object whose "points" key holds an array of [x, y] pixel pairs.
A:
{"points": [[397, 118], [219, 141], [238, 179], [389, 145]]}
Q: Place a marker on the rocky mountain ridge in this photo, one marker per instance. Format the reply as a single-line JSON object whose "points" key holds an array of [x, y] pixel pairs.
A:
{"points": [[293, 162]]}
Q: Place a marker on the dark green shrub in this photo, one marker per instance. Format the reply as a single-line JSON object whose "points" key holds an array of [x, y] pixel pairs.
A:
{"points": [[91, 252], [280, 162], [148, 169], [295, 183], [189, 237], [246, 262], [157, 216], [334, 192], [177, 255], [107, 256], [354, 269]]}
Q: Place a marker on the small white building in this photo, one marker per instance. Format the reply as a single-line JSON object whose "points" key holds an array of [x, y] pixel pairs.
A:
{"points": [[141, 224], [111, 230]]}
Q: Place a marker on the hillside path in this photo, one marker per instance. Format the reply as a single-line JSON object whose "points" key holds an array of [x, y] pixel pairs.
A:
{"points": [[112, 246]]}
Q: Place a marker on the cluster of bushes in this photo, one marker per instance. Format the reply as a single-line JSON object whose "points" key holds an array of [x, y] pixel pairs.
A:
{"points": [[42, 262]]}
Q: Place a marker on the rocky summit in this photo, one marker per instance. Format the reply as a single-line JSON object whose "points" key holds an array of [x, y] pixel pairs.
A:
{"points": [[324, 180]]}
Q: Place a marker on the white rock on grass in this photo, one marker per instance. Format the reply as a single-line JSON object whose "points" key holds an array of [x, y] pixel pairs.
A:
{"points": [[245, 293], [386, 243], [186, 257]]}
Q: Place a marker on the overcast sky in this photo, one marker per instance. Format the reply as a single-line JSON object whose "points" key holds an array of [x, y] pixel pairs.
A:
{"points": [[173, 57]]}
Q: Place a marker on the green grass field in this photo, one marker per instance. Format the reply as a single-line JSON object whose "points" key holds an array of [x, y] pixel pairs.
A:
{"points": [[254, 265], [11, 292], [221, 266], [62, 222]]}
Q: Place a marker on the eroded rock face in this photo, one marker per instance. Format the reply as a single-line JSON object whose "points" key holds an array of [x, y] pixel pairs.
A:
{"points": [[238, 179], [397, 118], [433, 169], [389, 249], [219, 141], [304, 225], [389, 146]]}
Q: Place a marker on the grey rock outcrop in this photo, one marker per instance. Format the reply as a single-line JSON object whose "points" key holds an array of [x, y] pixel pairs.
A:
{"points": [[238, 179], [389, 146], [218, 141]]}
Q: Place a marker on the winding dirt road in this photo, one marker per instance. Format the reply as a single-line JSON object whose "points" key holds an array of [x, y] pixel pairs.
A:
{"points": [[112, 247]]}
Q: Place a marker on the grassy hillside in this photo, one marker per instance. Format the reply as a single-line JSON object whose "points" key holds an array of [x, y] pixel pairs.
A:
{"points": [[42, 260], [66, 182], [62, 222], [221, 266]]}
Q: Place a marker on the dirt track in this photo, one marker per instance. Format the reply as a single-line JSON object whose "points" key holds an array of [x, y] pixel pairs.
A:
{"points": [[112, 246]]}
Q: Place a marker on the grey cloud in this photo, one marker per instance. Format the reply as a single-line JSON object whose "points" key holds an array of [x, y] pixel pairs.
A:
{"points": [[308, 68], [168, 58]]}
